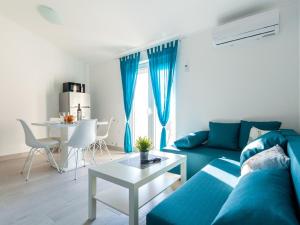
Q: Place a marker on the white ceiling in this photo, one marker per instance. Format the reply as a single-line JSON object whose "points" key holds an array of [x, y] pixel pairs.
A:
{"points": [[96, 30]]}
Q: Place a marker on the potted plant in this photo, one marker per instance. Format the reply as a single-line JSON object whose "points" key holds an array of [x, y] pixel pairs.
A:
{"points": [[144, 145]]}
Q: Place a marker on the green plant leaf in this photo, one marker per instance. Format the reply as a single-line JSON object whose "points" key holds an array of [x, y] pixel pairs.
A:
{"points": [[143, 144]]}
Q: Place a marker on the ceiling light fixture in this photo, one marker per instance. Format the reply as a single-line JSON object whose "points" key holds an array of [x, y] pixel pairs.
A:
{"points": [[49, 14]]}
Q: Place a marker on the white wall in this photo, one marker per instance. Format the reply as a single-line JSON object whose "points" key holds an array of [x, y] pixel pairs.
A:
{"points": [[299, 52], [31, 74], [107, 98], [256, 80]]}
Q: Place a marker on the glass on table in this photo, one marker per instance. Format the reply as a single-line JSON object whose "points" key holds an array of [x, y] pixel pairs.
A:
{"points": [[62, 116]]}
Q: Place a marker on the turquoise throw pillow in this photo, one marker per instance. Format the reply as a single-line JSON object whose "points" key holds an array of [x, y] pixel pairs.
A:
{"points": [[223, 135], [262, 143], [192, 140], [262, 197], [247, 125]]}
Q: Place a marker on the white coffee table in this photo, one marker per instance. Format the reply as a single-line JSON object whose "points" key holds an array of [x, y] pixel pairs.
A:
{"points": [[133, 187]]}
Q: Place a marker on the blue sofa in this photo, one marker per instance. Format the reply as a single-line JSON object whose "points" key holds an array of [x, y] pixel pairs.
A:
{"points": [[213, 174], [200, 156]]}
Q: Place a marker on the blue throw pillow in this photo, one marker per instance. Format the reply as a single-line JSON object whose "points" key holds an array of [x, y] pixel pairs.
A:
{"points": [[192, 140], [262, 197], [247, 125], [262, 143], [223, 135]]}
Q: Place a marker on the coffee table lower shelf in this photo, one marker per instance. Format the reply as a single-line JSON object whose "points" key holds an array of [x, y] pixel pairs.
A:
{"points": [[117, 197]]}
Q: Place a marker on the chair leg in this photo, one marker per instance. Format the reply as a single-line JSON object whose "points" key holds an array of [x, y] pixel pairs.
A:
{"points": [[96, 144], [30, 164], [48, 157], [53, 160], [106, 148], [83, 156], [59, 151], [75, 178], [26, 161], [94, 150], [100, 146]]}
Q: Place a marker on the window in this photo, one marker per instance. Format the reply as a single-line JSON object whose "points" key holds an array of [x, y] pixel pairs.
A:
{"points": [[144, 118], [140, 113]]}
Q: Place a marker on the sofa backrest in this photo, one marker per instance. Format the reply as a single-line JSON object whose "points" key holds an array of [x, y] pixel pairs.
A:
{"points": [[293, 150]]}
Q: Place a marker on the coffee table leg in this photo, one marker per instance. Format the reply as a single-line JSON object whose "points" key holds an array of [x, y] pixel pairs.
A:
{"points": [[92, 193], [183, 172], [133, 206]]}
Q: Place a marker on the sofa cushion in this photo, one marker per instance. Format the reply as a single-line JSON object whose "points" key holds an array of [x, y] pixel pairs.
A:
{"points": [[294, 154], [223, 135], [273, 158], [200, 156], [256, 133], [247, 125], [192, 140], [261, 197], [288, 132], [264, 142], [200, 199]]}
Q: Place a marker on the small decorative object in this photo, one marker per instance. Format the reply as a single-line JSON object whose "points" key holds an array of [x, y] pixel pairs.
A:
{"points": [[69, 119], [62, 117], [144, 145], [79, 113]]}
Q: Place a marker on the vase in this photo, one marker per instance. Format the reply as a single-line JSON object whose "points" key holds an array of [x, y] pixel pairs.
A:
{"points": [[144, 156]]}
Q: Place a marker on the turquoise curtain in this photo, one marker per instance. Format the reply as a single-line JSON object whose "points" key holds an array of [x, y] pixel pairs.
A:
{"points": [[162, 62], [129, 70]]}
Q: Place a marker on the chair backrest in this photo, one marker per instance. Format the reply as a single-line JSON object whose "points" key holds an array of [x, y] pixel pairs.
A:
{"points": [[84, 134], [30, 139], [108, 128]]}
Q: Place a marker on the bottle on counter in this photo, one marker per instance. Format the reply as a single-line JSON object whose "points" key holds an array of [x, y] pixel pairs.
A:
{"points": [[79, 113]]}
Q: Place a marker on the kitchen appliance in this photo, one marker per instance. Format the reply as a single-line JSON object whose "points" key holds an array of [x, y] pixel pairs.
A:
{"points": [[73, 87], [69, 101]]}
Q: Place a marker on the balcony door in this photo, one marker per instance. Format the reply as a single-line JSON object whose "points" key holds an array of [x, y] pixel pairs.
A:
{"points": [[144, 118]]}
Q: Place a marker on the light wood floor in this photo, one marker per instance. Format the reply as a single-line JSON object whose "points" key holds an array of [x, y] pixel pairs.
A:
{"points": [[50, 198]]}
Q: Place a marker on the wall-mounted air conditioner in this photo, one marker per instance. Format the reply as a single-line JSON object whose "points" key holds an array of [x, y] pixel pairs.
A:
{"points": [[252, 27]]}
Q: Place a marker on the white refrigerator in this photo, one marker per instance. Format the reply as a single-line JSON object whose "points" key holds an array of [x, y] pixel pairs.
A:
{"points": [[68, 102]]}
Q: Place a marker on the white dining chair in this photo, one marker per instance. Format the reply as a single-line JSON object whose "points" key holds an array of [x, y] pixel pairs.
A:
{"points": [[83, 136], [37, 145], [100, 140]]}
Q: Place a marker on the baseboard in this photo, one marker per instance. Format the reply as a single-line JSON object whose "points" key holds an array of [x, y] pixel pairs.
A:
{"points": [[13, 156]]}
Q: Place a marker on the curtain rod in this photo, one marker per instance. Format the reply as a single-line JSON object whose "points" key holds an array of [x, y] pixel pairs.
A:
{"points": [[149, 45]]}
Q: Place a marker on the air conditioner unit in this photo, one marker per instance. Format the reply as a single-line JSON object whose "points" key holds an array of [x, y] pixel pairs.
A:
{"points": [[252, 27]]}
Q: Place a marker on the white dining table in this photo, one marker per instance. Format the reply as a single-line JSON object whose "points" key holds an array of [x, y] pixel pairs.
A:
{"points": [[66, 159]]}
